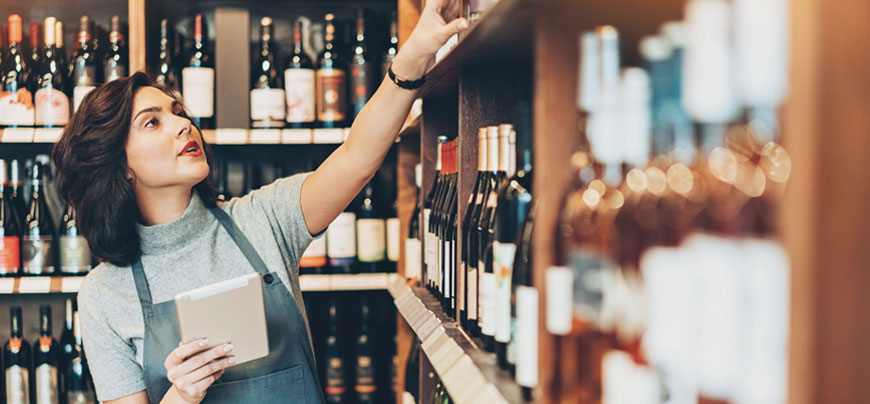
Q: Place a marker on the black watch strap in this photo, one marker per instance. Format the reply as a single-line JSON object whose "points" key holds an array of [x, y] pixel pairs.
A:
{"points": [[406, 84]]}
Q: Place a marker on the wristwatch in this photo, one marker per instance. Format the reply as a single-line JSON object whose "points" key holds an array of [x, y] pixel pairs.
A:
{"points": [[406, 84]]}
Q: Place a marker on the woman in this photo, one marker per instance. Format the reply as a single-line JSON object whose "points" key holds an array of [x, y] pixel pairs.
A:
{"points": [[136, 170]]}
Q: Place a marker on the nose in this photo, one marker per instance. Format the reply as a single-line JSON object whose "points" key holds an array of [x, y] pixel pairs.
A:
{"points": [[184, 127]]}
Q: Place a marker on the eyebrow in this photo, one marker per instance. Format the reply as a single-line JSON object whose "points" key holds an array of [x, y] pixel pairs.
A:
{"points": [[156, 109]]}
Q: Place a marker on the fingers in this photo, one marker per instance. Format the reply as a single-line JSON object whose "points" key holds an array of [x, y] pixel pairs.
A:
{"points": [[210, 371], [184, 351], [454, 27], [197, 361]]}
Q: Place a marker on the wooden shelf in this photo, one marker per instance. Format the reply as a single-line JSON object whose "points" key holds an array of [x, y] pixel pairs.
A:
{"points": [[502, 37], [469, 374], [308, 283]]}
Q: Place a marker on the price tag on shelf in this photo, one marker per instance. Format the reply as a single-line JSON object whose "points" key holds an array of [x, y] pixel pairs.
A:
{"points": [[404, 304], [36, 284], [231, 136], [429, 326], [297, 136], [491, 395], [447, 356], [71, 284], [328, 136], [18, 135], [434, 343], [314, 282], [397, 286], [417, 317], [466, 371], [47, 135], [7, 285], [265, 136]]}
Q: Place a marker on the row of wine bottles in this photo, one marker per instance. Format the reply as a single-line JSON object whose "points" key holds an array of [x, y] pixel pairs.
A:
{"points": [[31, 241], [51, 372], [326, 91], [38, 83], [669, 275]]}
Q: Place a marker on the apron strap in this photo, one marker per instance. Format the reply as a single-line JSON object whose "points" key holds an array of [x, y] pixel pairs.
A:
{"points": [[241, 241], [141, 283]]}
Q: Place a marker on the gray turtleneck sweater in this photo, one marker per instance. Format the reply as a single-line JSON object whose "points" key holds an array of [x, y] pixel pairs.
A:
{"points": [[190, 252]]}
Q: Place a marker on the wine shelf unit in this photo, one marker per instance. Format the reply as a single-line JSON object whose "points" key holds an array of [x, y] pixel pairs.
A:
{"points": [[308, 283], [468, 373]]}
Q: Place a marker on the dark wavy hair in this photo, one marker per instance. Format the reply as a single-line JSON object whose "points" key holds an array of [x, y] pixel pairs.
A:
{"points": [[93, 174]]}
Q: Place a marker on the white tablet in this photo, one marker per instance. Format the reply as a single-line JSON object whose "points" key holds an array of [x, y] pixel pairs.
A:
{"points": [[230, 311]]}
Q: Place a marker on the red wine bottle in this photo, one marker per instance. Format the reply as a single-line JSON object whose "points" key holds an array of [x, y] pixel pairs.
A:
{"points": [[16, 361], [75, 256], [299, 78], [331, 82], [115, 61], [52, 103], [370, 232], [197, 78], [335, 387], [46, 360], [167, 70], [393, 47], [365, 387], [363, 71], [16, 99], [10, 228], [37, 245], [267, 92], [77, 379], [84, 64]]}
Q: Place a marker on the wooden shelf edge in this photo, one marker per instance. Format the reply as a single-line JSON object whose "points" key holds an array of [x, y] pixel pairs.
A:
{"points": [[468, 373]]}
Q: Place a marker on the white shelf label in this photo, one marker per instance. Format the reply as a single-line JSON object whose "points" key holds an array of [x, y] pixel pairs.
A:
{"points": [[231, 136], [328, 136], [18, 135], [7, 285], [314, 282], [265, 136], [47, 135], [297, 136], [39, 284], [71, 284]]}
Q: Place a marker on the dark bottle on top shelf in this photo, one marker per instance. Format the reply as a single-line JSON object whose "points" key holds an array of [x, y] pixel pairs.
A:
{"points": [[75, 256], [51, 102], [84, 64], [62, 59], [35, 49], [116, 60], [331, 82], [363, 70], [197, 78], [38, 256], [10, 228], [167, 70], [365, 386], [469, 264], [335, 386], [267, 92], [16, 99], [16, 361], [46, 360], [370, 232], [299, 88]]}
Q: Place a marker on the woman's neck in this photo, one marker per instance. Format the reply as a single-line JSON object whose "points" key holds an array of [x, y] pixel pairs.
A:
{"points": [[159, 206]]}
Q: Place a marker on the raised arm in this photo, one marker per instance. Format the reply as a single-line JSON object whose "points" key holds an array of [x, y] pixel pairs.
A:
{"points": [[335, 183]]}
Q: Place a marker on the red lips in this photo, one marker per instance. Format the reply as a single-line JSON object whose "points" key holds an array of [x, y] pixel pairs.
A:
{"points": [[191, 149]]}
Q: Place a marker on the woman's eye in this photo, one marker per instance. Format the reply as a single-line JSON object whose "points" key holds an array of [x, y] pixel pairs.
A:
{"points": [[151, 123]]}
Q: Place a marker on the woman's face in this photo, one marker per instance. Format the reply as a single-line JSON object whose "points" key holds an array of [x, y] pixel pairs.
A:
{"points": [[164, 149]]}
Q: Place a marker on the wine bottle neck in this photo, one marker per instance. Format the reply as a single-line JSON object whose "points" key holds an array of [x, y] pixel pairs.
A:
{"points": [[15, 325]]}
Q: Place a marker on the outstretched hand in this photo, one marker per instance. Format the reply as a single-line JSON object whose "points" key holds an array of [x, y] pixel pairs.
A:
{"points": [[438, 22]]}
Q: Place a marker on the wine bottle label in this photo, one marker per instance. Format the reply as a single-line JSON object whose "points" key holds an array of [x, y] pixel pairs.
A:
{"points": [[365, 379], [315, 255], [487, 298], [335, 386], [331, 102], [503, 266], [413, 258], [560, 299], [46, 384], [79, 93], [445, 269], [37, 255], [17, 385], [429, 247], [527, 336], [10, 255], [84, 75], [371, 240], [341, 239], [114, 70], [198, 91], [361, 87], [16, 105], [52, 106], [472, 295], [267, 104], [593, 275], [75, 256], [393, 238], [299, 89]]}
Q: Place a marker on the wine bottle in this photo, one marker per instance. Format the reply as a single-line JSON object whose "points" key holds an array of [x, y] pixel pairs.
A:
{"points": [[167, 71], [36, 50], [435, 223], [430, 249], [267, 92], [52, 104], [46, 359], [412, 372], [77, 379], [365, 386], [75, 256], [362, 69], [299, 78], [16, 186], [393, 237], [479, 238], [197, 79], [16, 100], [341, 242], [469, 265], [336, 387], [446, 231], [413, 244], [67, 345], [84, 62], [37, 244], [10, 228], [370, 232], [393, 48], [62, 60], [116, 60], [331, 82], [16, 361]]}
